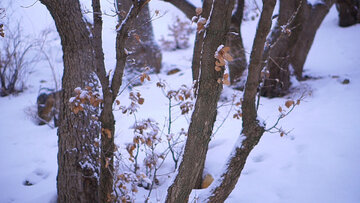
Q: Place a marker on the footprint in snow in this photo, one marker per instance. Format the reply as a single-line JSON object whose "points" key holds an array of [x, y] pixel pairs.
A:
{"points": [[259, 158], [35, 177]]}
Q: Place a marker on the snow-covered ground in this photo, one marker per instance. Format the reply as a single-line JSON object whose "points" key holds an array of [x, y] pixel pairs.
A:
{"points": [[319, 161]]}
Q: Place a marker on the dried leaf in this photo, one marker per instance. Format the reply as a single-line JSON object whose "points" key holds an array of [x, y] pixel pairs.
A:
{"points": [[207, 181], [281, 134], [289, 103], [106, 162], [280, 109], [200, 27], [219, 80], [148, 142], [220, 63], [137, 37], [181, 98], [107, 132], [142, 78], [198, 11], [298, 102], [141, 100], [76, 110], [217, 68], [117, 102], [226, 82], [228, 57], [226, 49]]}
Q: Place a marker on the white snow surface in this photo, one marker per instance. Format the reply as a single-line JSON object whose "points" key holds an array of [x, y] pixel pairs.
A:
{"points": [[318, 161]]}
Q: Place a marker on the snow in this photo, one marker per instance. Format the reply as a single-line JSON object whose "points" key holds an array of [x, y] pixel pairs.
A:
{"points": [[317, 162]]}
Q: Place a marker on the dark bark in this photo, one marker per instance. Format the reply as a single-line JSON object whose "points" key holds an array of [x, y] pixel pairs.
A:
{"points": [[110, 92], [290, 42], [234, 39], [312, 17], [106, 117], [77, 157], [141, 43], [252, 128], [185, 6], [204, 115], [199, 39], [349, 12]]}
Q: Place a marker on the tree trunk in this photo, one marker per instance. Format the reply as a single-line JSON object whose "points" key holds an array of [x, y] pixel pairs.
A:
{"points": [[110, 92], [234, 40], [77, 157], [204, 116], [141, 43], [291, 40], [195, 67], [312, 16], [252, 128], [349, 12]]}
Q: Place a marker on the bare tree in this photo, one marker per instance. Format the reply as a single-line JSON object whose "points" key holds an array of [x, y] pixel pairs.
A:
{"points": [[234, 39], [253, 128], [141, 43], [204, 115], [349, 12], [15, 59], [292, 38], [110, 89]]}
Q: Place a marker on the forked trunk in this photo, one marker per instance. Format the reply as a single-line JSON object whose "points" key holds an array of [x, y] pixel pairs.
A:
{"points": [[204, 115]]}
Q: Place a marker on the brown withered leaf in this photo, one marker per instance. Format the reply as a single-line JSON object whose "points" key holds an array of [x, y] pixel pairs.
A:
{"points": [[298, 102], [280, 109], [148, 142], [141, 100], [117, 102], [106, 162], [226, 76], [76, 110], [220, 63], [289, 103], [226, 82], [217, 68], [198, 11], [107, 132], [181, 98], [200, 27], [142, 78], [137, 37], [219, 80], [225, 49], [228, 57]]}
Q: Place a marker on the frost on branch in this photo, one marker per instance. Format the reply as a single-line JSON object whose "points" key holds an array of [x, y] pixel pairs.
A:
{"points": [[84, 97], [135, 99]]}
